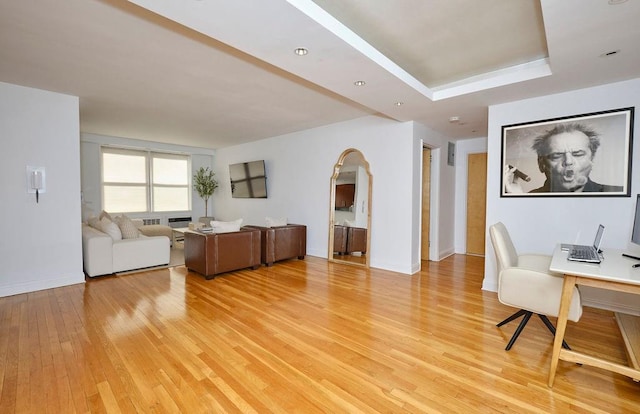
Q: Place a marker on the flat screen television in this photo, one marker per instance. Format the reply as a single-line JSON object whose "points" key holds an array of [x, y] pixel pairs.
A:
{"points": [[248, 180]]}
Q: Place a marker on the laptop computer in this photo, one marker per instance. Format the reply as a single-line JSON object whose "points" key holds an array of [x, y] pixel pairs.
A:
{"points": [[568, 246], [589, 254]]}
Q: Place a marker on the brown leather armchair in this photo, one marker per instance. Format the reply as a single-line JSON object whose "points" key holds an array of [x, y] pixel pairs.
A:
{"points": [[212, 254], [339, 239], [282, 242], [356, 240]]}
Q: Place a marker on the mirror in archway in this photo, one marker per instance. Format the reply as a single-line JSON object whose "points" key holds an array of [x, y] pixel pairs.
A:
{"points": [[350, 209]]}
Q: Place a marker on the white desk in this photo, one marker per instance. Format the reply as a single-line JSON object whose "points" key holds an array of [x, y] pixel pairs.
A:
{"points": [[613, 273]]}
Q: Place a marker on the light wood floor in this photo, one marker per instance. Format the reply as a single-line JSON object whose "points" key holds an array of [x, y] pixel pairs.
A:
{"points": [[301, 336]]}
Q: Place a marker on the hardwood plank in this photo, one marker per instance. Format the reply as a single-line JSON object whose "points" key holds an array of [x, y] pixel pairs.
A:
{"points": [[300, 336]]}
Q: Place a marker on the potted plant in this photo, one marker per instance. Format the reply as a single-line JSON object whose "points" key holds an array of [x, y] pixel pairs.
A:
{"points": [[204, 183]]}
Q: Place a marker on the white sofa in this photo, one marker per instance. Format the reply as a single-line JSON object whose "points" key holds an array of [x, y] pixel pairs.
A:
{"points": [[101, 255]]}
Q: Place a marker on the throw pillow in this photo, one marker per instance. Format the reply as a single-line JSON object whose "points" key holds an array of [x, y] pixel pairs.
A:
{"points": [[127, 227], [226, 226], [275, 222], [94, 222], [138, 223], [111, 228], [105, 214]]}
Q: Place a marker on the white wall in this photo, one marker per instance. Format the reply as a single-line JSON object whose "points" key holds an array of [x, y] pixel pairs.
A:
{"points": [[537, 224], [299, 168], [443, 185], [41, 244], [91, 182], [416, 197]]}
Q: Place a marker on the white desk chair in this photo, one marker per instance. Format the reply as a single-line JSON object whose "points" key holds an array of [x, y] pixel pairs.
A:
{"points": [[525, 282]]}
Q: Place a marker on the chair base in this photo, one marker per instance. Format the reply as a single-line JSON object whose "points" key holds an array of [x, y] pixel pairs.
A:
{"points": [[523, 323]]}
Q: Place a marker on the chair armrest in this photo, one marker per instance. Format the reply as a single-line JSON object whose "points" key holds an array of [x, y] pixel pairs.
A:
{"points": [[537, 262], [536, 291]]}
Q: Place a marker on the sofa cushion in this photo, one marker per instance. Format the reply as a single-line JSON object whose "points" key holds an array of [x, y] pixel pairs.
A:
{"points": [[94, 222], [151, 230], [111, 228], [127, 227], [139, 253], [276, 222], [226, 226]]}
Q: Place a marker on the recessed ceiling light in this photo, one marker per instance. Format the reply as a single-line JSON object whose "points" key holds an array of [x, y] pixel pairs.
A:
{"points": [[399, 103], [611, 53], [616, 2], [454, 119], [301, 51], [359, 83]]}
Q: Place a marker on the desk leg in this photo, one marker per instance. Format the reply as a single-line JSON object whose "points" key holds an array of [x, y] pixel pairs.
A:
{"points": [[565, 302]]}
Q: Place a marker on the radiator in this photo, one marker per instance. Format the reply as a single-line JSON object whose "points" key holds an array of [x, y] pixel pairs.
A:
{"points": [[148, 221], [175, 222]]}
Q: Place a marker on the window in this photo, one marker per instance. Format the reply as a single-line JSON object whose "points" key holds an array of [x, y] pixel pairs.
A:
{"points": [[135, 181], [170, 182]]}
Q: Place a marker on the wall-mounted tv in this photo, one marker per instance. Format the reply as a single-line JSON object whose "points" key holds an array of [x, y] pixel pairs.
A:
{"points": [[248, 180]]}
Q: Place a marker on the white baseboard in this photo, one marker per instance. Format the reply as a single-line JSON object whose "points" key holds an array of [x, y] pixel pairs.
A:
{"points": [[444, 254], [19, 288]]}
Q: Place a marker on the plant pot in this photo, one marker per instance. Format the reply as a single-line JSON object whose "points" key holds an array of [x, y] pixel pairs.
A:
{"points": [[206, 220]]}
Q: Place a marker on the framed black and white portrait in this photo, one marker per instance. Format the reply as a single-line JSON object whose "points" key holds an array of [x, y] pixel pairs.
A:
{"points": [[574, 156]]}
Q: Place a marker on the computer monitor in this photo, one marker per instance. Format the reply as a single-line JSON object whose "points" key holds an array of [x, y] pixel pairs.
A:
{"points": [[633, 248], [635, 233]]}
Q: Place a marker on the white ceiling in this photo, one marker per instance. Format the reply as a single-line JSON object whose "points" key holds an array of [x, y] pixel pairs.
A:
{"points": [[215, 73]]}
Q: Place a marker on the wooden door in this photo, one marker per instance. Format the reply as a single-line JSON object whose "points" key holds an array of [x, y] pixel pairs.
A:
{"points": [[476, 203], [426, 199]]}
